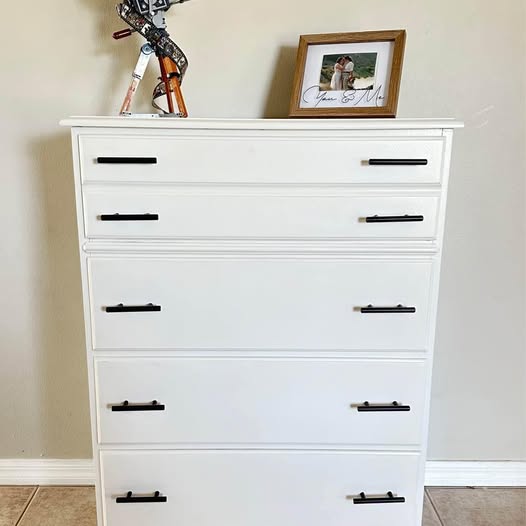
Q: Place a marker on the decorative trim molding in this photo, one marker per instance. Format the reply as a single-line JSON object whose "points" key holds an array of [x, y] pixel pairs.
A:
{"points": [[20, 472], [461, 473], [257, 125], [277, 248], [28, 472]]}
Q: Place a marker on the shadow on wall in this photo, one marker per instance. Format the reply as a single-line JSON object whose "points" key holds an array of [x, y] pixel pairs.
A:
{"points": [[64, 390], [280, 90]]}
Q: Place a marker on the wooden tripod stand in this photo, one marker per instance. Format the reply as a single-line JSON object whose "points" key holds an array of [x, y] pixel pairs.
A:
{"points": [[172, 60], [170, 85]]}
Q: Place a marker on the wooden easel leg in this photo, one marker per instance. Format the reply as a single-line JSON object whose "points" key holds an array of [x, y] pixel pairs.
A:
{"points": [[173, 86], [166, 79], [179, 96]]}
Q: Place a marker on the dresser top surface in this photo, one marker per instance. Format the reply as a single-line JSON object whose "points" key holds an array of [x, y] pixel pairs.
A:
{"points": [[260, 124]]}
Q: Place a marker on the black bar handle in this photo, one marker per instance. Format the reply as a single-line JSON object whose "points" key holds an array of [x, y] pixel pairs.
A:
{"points": [[134, 308], [126, 160], [388, 499], [399, 309], [372, 408], [398, 162], [126, 407], [129, 217], [130, 499], [394, 219]]}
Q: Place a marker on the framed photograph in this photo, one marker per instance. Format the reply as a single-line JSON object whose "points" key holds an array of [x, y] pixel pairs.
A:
{"points": [[348, 74]]}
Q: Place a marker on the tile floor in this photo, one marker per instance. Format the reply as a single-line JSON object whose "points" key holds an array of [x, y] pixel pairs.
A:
{"points": [[75, 506]]}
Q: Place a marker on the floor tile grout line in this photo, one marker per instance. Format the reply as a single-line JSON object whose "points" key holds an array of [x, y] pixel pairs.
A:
{"points": [[29, 502], [434, 507]]}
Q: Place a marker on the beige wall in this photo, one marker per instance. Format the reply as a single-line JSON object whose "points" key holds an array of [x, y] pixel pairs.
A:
{"points": [[464, 59]]}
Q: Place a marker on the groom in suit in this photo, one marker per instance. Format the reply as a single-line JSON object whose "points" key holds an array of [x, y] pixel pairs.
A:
{"points": [[347, 73]]}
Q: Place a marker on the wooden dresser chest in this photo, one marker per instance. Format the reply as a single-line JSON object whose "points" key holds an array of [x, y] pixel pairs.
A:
{"points": [[260, 300]]}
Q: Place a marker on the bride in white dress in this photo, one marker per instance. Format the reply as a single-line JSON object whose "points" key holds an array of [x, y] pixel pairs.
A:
{"points": [[336, 80]]}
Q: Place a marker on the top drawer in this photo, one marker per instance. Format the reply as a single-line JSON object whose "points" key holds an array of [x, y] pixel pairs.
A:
{"points": [[163, 158]]}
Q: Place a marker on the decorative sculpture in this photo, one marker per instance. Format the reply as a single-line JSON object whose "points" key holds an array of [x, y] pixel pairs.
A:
{"points": [[147, 17]]}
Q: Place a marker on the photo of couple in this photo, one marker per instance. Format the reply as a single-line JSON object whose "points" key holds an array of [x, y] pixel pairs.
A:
{"points": [[343, 76], [348, 72]]}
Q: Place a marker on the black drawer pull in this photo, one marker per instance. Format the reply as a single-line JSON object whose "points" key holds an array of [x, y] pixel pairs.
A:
{"points": [[127, 160], [399, 309], [130, 499], [134, 308], [367, 407], [398, 162], [126, 407], [129, 217], [394, 219], [388, 499]]}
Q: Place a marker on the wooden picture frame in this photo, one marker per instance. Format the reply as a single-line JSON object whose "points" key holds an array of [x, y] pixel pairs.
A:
{"points": [[345, 59]]}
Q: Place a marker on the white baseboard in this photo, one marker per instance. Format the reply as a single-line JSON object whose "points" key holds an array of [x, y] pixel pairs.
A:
{"points": [[451, 473], [21, 472], [46, 472]]}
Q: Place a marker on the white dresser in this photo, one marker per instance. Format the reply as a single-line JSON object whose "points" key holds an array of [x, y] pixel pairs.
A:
{"points": [[260, 300]]}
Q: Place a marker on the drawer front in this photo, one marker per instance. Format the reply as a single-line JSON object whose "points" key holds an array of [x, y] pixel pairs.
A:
{"points": [[259, 304], [258, 159], [208, 488], [142, 213], [260, 401]]}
